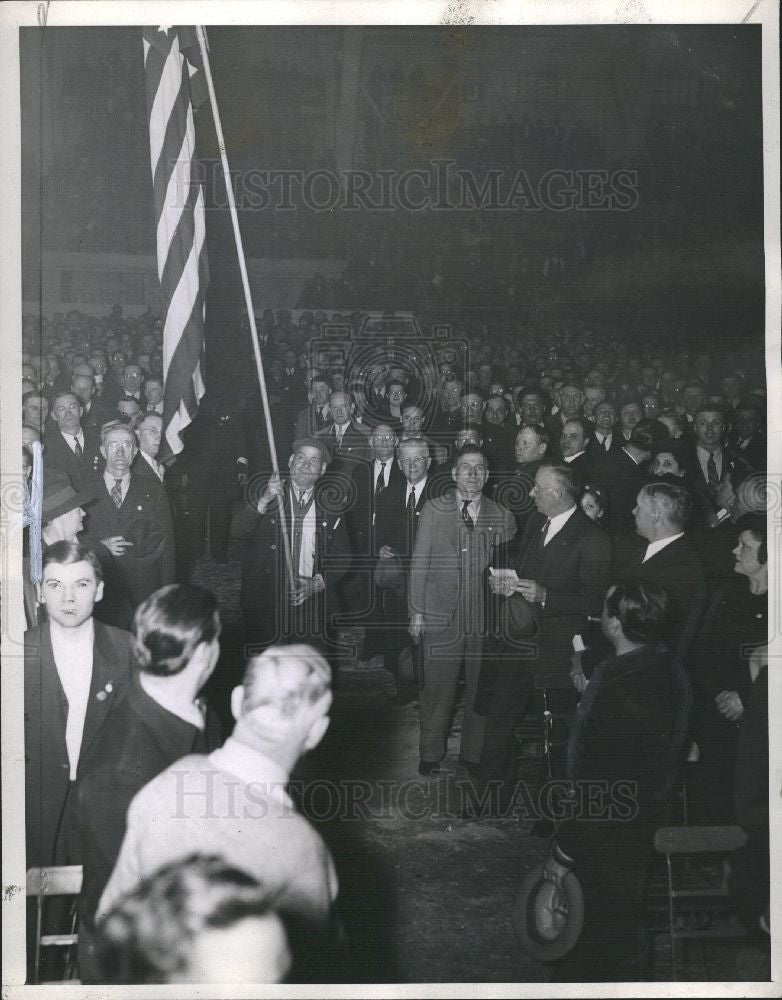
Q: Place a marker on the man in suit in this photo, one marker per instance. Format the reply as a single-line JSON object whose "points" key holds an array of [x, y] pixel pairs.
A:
{"points": [[622, 472], [562, 566], [75, 668], [316, 416], [369, 483], [458, 537], [320, 552], [398, 510], [93, 414], [514, 491], [628, 733], [603, 439], [664, 557], [153, 395], [149, 431], [131, 517], [346, 441], [68, 446], [748, 438], [573, 443], [709, 461], [175, 645]]}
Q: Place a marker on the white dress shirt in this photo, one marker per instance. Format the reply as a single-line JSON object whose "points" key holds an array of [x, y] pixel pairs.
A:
{"points": [[71, 439], [339, 430], [556, 524], [654, 547], [378, 468], [308, 531], [572, 458], [703, 460], [416, 490], [73, 651], [108, 479]]}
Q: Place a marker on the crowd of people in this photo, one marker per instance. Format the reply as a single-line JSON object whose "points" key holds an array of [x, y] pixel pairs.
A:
{"points": [[567, 510]]}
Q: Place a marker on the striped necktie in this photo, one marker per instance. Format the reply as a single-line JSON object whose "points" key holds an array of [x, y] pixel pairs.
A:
{"points": [[116, 492], [77, 448]]}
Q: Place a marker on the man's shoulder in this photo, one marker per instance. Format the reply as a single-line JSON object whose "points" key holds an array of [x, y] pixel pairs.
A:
{"points": [[173, 778], [119, 637]]}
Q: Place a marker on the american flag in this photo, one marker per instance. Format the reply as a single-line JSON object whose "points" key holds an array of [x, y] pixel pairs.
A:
{"points": [[175, 85]]}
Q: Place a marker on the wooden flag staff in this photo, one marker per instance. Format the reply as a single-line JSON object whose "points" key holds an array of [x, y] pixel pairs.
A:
{"points": [[247, 296]]}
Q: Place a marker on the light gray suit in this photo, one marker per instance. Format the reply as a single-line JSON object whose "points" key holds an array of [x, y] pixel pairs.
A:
{"points": [[448, 587]]}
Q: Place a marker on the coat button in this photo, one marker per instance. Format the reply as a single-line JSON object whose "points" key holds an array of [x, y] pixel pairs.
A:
{"points": [[274, 548]]}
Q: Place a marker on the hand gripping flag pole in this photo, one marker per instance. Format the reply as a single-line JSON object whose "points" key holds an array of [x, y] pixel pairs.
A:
{"points": [[202, 42]]}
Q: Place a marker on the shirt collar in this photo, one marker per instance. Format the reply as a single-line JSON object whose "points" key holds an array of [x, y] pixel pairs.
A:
{"points": [[704, 454], [418, 488], [109, 480], [572, 458], [559, 520], [654, 547]]}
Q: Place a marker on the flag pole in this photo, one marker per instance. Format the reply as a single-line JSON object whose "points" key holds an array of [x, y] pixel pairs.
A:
{"points": [[247, 295]]}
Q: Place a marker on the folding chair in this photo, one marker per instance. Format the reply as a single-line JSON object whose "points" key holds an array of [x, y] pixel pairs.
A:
{"points": [[700, 893], [56, 880]]}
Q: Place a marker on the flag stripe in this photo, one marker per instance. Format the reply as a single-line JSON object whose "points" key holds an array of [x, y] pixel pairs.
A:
{"points": [[173, 82]]}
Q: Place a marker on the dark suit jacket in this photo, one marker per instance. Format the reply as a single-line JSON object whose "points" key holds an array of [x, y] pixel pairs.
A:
{"points": [[703, 497], [584, 466], [140, 739], [391, 520], [362, 511], [678, 570], [144, 519], [355, 446], [632, 731], [59, 456], [47, 779], [264, 591], [623, 479], [436, 565], [309, 422], [595, 450], [574, 568]]}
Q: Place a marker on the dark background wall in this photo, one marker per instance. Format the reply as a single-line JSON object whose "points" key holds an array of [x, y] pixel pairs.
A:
{"points": [[679, 105]]}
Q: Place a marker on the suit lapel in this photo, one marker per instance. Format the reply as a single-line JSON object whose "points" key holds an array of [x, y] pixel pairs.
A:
{"points": [[54, 705], [103, 687]]}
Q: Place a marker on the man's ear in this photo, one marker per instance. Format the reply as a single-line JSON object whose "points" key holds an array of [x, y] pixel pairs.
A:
{"points": [[99, 591], [317, 732], [237, 697]]}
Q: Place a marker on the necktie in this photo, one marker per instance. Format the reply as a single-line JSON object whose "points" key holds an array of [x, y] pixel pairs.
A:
{"points": [[116, 492], [77, 449], [339, 437], [606, 445], [411, 504], [544, 532], [466, 515], [711, 471], [380, 484], [301, 499]]}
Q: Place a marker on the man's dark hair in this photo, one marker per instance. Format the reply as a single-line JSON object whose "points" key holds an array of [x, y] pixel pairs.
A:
{"points": [[63, 553], [640, 608], [707, 407], [33, 394], [469, 449], [170, 624], [647, 432], [587, 428], [539, 429]]}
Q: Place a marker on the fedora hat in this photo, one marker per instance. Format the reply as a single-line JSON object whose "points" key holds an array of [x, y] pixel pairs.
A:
{"points": [[548, 919], [59, 496]]}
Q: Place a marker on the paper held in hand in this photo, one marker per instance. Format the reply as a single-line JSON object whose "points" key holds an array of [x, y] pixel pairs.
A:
{"points": [[504, 574]]}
